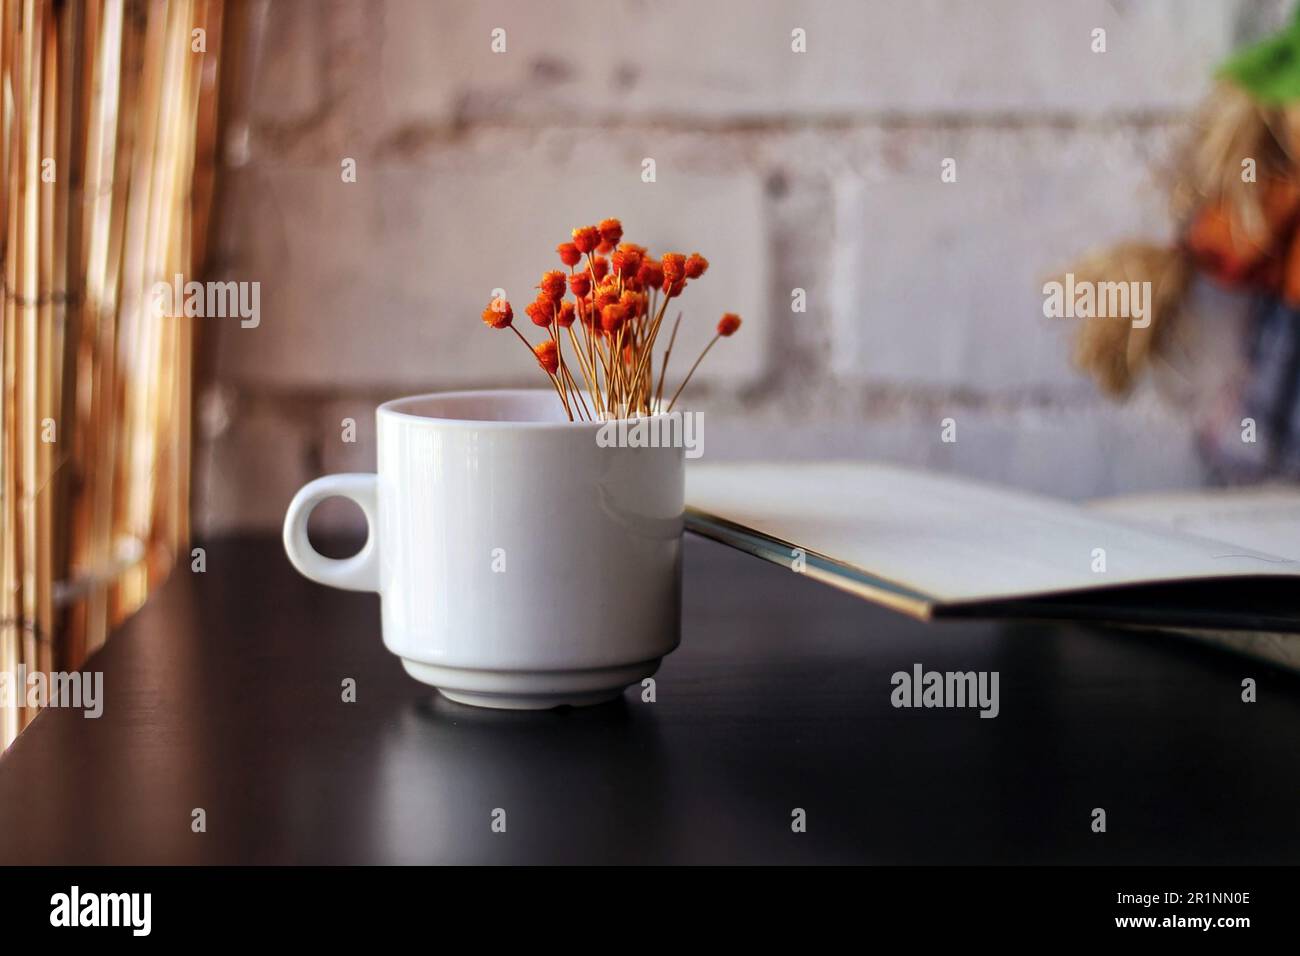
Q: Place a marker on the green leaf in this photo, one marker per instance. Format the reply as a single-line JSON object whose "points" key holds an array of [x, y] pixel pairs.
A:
{"points": [[1269, 70]]}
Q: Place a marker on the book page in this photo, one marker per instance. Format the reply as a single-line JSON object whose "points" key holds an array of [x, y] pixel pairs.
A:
{"points": [[945, 539], [1264, 518]]}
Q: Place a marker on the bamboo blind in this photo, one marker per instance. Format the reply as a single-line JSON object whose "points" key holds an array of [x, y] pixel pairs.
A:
{"points": [[109, 116]]}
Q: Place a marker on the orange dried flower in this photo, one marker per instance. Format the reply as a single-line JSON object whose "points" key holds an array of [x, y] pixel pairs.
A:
{"points": [[728, 324], [631, 301], [586, 238], [651, 274], [695, 265], [541, 311], [626, 259], [611, 231], [613, 284], [565, 316], [569, 253], [612, 317], [498, 314], [552, 284], [674, 264], [580, 283], [548, 355]]}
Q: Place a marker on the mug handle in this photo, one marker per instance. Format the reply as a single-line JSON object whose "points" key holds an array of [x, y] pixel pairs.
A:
{"points": [[357, 573]]}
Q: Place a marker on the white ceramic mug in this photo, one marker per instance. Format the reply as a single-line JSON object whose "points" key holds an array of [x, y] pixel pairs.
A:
{"points": [[519, 564]]}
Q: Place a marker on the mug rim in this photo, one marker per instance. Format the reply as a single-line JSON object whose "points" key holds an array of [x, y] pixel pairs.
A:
{"points": [[391, 407]]}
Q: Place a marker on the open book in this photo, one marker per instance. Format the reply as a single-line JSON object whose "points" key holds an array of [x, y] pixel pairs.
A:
{"points": [[934, 546]]}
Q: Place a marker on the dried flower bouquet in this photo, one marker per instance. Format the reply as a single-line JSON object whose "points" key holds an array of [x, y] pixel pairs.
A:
{"points": [[620, 295]]}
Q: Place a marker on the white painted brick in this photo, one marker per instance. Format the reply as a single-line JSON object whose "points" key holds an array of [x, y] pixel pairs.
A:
{"points": [[1075, 454], [267, 448], [246, 475], [732, 58], [381, 282], [337, 454], [940, 284], [290, 82], [472, 167], [1068, 453]]}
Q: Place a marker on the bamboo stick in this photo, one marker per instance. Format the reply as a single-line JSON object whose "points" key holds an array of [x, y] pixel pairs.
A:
{"points": [[106, 136]]}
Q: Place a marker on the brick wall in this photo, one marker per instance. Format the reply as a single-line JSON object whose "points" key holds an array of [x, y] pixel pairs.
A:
{"points": [[817, 170]]}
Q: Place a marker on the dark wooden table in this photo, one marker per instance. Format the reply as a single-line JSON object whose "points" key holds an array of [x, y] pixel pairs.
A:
{"points": [[225, 693]]}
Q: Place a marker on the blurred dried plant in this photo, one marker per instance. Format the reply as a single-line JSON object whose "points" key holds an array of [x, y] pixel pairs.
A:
{"points": [[1232, 225], [109, 118], [620, 297]]}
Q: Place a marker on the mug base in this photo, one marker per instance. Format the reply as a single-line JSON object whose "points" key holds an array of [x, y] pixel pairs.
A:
{"points": [[530, 690], [516, 702]]}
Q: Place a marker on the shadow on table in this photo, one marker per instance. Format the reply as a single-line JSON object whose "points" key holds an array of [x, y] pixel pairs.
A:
{"points": [[460, 784]]}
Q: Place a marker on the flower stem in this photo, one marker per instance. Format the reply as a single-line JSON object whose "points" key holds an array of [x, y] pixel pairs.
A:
{"points": [[663, 371], [692, 371]]}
